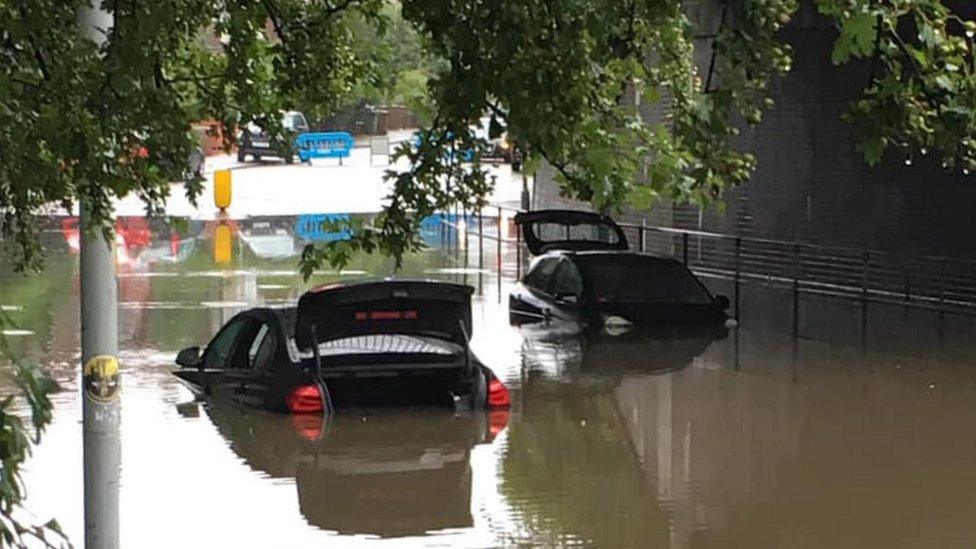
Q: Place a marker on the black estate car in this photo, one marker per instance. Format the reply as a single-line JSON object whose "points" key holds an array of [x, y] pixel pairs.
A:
{"points": [[391, 342], [584, 273]]}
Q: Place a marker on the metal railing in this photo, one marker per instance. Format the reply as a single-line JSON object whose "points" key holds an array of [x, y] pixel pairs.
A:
{"points": [[933, 282]]}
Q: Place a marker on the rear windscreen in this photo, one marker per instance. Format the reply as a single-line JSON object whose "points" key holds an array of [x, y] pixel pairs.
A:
{"points": [[642, 280], [549, 232], [387, 344]]}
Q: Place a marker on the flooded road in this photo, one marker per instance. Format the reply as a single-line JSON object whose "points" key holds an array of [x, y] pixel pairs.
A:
{"points": [[742, 438]]}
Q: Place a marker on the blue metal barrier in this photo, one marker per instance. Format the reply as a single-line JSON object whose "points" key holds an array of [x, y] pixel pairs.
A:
{"points": [[324, 145], [313, 227]]}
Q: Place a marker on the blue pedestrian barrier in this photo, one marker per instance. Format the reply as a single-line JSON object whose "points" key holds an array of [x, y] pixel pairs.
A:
{"points": [[324, 145], [314, 227]]}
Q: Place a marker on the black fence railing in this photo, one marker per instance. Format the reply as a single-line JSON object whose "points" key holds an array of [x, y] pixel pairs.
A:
{"points": [[939, 283]]}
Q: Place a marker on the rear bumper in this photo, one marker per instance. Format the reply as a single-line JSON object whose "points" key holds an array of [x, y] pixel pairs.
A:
{"points": [[257, 150]]}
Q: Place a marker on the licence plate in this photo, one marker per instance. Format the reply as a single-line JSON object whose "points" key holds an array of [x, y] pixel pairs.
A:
{"points": [[259, 143]]}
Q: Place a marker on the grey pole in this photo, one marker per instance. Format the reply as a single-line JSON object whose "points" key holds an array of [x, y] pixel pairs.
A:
{"points": [[100, 368]]}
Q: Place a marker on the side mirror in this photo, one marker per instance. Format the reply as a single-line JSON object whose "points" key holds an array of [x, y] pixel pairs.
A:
{"points": [[189, 357], [722, 302]]}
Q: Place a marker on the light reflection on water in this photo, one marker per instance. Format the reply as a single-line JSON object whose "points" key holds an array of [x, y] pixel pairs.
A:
{"points": [[739, 439]]}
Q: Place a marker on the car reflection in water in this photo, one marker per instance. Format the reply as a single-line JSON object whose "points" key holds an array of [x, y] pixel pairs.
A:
{"points": [[572, 426], [562, 348], [382, 473]]}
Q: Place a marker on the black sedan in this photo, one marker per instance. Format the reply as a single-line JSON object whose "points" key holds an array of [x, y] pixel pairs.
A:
{"points": [[584, 274], [392, 342]]}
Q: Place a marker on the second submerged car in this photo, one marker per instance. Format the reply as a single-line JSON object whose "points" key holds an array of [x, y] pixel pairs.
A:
{"points": [[584, 273]]}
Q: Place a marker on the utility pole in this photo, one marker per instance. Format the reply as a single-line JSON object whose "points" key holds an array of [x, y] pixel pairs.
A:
{"points": [[99, 349]]}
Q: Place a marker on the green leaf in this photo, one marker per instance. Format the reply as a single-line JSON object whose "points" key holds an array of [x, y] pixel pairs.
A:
{"points": [[872, 149], [858, 34]]}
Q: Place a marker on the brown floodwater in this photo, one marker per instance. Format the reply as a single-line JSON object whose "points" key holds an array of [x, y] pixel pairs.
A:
{"points": [[843, 437]]}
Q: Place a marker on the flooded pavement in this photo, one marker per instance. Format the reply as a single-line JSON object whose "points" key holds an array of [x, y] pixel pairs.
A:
{"points": [[844, 437]]}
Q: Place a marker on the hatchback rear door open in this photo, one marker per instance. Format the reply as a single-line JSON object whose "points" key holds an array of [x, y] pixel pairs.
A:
{"points": [[396, 342], [435, 310], [571, 230]]}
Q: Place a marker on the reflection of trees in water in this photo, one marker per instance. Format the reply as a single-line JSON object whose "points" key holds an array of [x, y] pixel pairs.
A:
{"points": [[40, 304]]}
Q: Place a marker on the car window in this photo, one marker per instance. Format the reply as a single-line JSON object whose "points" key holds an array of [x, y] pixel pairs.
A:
{"points": [[567, 280], [635, 279], [260, 355], [582, 232], [541, 274], [219, 351], [294, 121]]}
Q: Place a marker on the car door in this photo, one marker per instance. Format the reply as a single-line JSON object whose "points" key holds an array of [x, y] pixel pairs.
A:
{"points": [[217, 356], [565, 293], [257, 381], [249, 371], [531, 301]]}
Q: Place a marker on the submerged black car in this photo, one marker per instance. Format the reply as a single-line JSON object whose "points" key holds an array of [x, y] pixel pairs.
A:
{"points": [[584, 273], [393, 342]]}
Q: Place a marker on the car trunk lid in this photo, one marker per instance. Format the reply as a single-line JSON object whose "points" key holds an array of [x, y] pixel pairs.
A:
{"points": [[546, 230], [436, 310]]}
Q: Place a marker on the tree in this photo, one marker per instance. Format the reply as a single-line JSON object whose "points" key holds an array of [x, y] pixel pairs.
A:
{"points": [[563, 79]]}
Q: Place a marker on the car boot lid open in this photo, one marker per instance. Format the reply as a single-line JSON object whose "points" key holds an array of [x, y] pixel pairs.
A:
{"points": [[571, 230]]}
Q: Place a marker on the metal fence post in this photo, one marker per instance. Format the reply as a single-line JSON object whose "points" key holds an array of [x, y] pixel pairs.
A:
{"points": [[942, 284], [498, 253], [796, 289], [464, 219], [481, 240], [738, 253], [457, 233], [866, 260], [481, 251], [684, 248], [641, 237], [518, 253], [864, 301]]}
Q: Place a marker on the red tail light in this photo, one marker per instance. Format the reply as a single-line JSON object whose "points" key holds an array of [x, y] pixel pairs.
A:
{"points": [[304, 399], [308, 427], [497, 421], [498, 396]]}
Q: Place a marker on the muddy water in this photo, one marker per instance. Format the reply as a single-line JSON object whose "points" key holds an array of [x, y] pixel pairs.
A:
{"points": [[842, 438]]}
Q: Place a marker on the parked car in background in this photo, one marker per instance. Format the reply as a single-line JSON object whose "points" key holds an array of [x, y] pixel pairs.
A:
{"points": [[583, 273], [390, 342], [500, 147], [256, 142]]}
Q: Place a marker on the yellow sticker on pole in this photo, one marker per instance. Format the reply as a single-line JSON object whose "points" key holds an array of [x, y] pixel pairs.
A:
{"points": [[100, 377], [222, 189]]}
